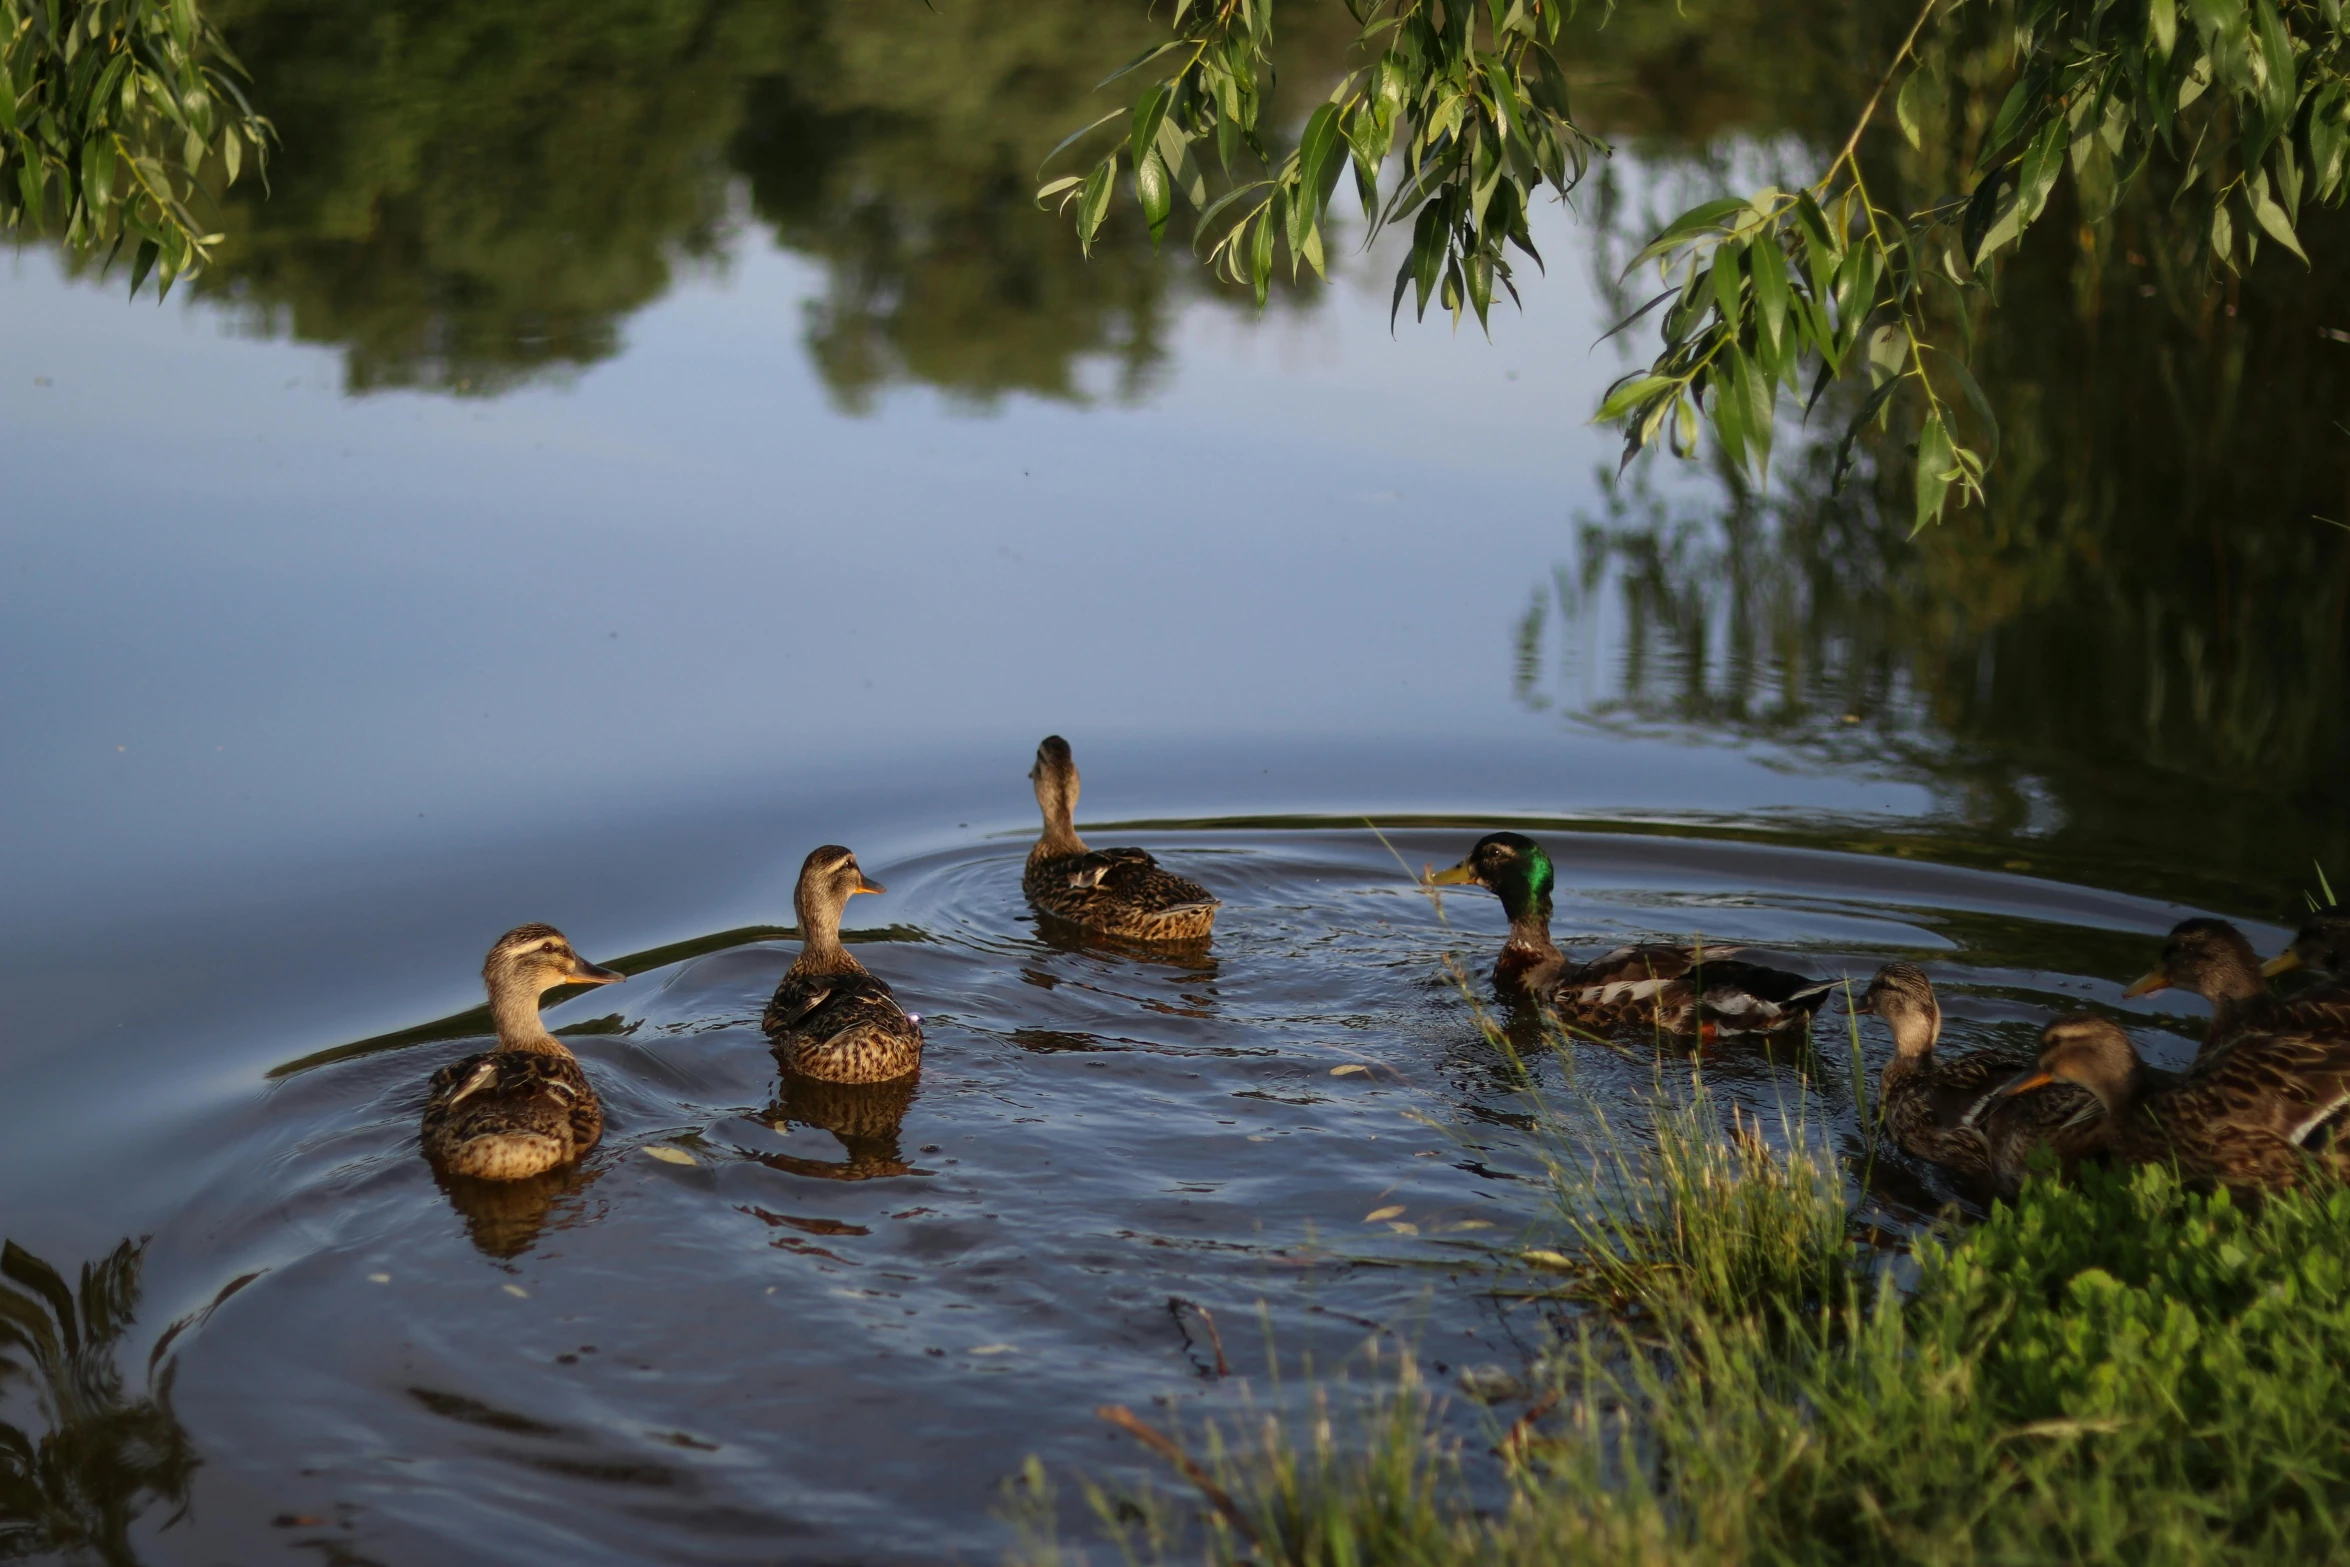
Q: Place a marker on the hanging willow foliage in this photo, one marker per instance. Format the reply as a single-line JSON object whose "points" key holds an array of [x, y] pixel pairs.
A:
{"points": [[109, 111], [2240, 112]]}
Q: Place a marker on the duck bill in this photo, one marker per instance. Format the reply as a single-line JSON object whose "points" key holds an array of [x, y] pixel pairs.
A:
{"points": [[2147, 984], [2283, 963], [586, 973], [866, 883], [2025, 1082], [1459, 876]]}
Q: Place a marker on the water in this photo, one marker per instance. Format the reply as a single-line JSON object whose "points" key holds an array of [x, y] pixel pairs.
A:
{"points": [[456, 557]]}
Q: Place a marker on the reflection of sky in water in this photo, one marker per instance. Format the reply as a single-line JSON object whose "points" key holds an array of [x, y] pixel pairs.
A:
{"points": [[310, 695], [302, 617]]}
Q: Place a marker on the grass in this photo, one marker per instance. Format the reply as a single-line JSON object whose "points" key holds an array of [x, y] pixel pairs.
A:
{"points": [[2115, 1370]]}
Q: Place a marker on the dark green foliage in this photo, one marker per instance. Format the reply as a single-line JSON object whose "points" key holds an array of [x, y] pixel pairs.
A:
{"points": [[109, 112], [2117, 1371], [101, 1456]]}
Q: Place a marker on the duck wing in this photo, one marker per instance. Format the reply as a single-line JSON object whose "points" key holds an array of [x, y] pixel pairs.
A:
{"points": [[844, 1028]]}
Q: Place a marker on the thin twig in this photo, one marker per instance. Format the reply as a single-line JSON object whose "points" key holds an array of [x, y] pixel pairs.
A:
{"points": [[1869, 110], [1513, 1441], [1175, 1305], [1218, 1498]]}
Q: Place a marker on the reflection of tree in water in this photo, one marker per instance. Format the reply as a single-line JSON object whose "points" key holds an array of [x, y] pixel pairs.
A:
{"points": [[101, 1455], [474, 195], [2140, 652]]}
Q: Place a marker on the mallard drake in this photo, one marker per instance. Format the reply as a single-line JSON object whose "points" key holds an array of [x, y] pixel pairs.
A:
{"points": [[1683, 990], [2322, 946], [1950, 1109], [2246, 1119], [1113, 892], [2211, 959], [525, 1107], [830, 1018]]}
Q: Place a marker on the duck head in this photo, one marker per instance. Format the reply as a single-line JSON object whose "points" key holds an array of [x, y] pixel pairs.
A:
{"points": [[1903, 996], [2323, 946], [527, 962], [1514, 868], [538, 958], [829, 878], [2090, 1051], [2208, 957]]}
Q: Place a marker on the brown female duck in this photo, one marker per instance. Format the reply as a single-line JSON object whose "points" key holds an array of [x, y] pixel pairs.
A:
{"points": [[1113, 892], [1682, 990], [2321, 946], [2211, 959], [830, 1018], [525, 1107], [1950, 1109], [2246, 1119]]}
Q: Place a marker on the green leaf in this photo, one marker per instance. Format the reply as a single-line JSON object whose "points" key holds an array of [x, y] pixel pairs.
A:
{"points": [[1182, 167], [1905, 109], [142, 264], [1150, 111], [1314, 149], [1689, 224], [2162, 26], [1095, 204], [1062, 145], [1726, 278], [1976, 399], [1869, 409], [1154, 191], [1936, 468], [1631, 393], [1766, 265], [2271, 217]]}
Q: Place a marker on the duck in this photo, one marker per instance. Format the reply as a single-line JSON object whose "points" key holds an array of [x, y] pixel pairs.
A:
{"points": [[526, 1107], [2212, 959], [831, 1019], [2252, 1119], [1121, 893], [1950, 1110], [2322, 946], [1697, 990]]}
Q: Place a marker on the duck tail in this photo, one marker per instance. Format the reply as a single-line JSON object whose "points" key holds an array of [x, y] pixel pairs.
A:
{"points": [[506, 1156]]}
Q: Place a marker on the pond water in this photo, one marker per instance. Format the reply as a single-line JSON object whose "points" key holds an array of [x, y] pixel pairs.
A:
{"points": [[448, 560]]}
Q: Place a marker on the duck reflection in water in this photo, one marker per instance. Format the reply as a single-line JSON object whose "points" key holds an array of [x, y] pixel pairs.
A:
{"points": [[504, 1219], [102, 1455], [864, 1117]]}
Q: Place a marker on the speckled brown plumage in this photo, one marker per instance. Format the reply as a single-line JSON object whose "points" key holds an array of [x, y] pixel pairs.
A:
{"points": [[830, 1018], [1678, 990], [1950, 1109], [2245, 1120], [1115, 892], [526, 1107]]}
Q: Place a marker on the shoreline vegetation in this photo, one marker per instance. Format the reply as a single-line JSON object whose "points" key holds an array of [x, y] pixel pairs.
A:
{"points": [[1748, 1365]]}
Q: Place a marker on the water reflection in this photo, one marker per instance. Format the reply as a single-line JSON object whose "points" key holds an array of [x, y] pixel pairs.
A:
{"points": [[2135, 664], [864, 1118], [504, 1219], [97, 1456]]}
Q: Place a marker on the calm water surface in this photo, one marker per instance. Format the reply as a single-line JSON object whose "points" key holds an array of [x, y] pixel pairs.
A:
{"points": [[409, 581]]}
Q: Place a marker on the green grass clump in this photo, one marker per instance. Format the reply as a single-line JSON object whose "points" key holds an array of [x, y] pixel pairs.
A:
{"points": [[2115, 1370]]}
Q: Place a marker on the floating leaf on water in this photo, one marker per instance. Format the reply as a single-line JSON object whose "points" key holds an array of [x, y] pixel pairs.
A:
{"points": [[1388, 1212], [1547, 1259], [993, 1349], [1474, 1224], [515, 1290], [379, 1278], [1349, 1069], [669, 1155], [1403, 1227]]}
